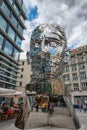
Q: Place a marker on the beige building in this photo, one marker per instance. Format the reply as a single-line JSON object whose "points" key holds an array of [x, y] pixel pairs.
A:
{"points": [[23, 75], [75, 74]]}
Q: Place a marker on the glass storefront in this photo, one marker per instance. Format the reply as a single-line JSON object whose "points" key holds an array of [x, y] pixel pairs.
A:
{"points": [[77, 100], [3, 23], [80, 99], [8, 48]]}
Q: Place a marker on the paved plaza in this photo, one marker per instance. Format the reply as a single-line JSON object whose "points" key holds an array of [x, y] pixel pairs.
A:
{"points": [[9, 125]]}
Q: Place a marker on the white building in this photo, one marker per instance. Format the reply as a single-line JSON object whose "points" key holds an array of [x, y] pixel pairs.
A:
{"points": [[75, 74]]}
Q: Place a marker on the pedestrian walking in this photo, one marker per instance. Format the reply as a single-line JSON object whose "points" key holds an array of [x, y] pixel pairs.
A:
{"points": [[84, 107], [80, 107], [33, 105], [37, 106], [51, 107]]}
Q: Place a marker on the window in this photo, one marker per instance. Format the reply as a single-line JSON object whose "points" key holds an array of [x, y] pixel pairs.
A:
{"points": [[14, 20], [84, 86], [16, 54], [18, 41], [21, 76], [1, 77], [81, 66], [16, 9], [8, 48], [75, 76], [80, 57], [22, 62], [73, 59], [20, 2], [77, 99], [22, 69], [12, 81], [11, 33], [3, 23], [24, 8], [11, 1], [20, 29], [1, 40], [74, 67], [6, 9], [66, 68], [22, 19], [82, 75], [66, 77], [76, 87], [20, 83], [13, 76]]}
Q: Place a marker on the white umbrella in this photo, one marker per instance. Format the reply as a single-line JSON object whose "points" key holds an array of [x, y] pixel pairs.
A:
{"points": [[10, 92], [28, 92]]}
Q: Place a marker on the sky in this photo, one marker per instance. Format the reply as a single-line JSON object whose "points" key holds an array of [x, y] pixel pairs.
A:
{"points": [[69, 14]]}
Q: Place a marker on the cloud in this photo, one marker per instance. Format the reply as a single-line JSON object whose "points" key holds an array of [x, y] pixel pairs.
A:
{"points": [[70, 14]]}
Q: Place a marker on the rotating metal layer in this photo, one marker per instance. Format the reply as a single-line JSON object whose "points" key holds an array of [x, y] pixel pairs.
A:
{"points": [[47, 50]]}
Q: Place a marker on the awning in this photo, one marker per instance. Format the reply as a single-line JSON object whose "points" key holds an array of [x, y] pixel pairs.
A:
{"points": [[10, 92], [30, 93], [26, 107]]}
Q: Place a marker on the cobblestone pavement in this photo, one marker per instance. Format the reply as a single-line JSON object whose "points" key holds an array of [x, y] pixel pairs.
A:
{"points": [[53, 119], [9, 125], [37, 120], [82, 116]]}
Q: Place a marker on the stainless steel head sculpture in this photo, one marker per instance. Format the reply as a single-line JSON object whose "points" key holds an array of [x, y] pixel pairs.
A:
{"points": [[47, 41], [47, 54]]}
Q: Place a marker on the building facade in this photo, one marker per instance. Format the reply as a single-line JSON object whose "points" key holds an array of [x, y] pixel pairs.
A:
{"points": [[12, 17], [75, 74], [24, 76]]}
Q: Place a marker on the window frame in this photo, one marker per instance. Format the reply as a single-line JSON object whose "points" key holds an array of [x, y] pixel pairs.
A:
{"points": [[3, 27], [16, 56], [1, 37], [6, 8], [7, 49], [11, 33]]}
